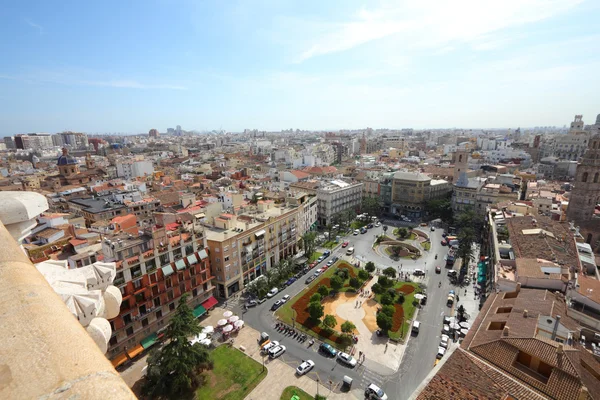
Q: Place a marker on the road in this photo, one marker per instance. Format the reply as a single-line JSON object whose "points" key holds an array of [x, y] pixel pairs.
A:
{"points": [[421, 350]]}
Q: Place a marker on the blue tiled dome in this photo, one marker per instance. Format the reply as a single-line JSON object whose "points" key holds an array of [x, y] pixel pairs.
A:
{"points": [[66, 159]]}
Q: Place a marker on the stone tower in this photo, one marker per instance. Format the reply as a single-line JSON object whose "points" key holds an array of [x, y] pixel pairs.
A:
{"points": [[89, 162], [586, 191], [461, 163]]}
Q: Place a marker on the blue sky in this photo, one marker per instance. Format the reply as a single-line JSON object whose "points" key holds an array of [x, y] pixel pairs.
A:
{"points": [[130, 66]]}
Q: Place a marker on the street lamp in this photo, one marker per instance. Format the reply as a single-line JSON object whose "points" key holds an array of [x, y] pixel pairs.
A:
{"points": [[317, 387]]}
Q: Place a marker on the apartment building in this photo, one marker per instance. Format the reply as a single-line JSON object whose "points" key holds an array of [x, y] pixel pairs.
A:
{"points": [[129, 169], [408, 192], [336, 196], [243, 247], [153, 270]]}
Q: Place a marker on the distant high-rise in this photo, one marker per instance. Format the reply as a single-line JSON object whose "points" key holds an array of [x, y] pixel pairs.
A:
{"points": [[153, 133], [33, 141], [178, 131]]}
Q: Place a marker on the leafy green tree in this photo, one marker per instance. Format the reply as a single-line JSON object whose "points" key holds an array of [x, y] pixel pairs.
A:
{"points": [[323, 291], [384, 322], [390, 272], [336, 283], [370, 267], [308, 242], [363, 275], [401, 298], [355, 282], [348, 327], [386, 299], [315, 297], [174, 369], [315, 309], [342, 273], [466, 237], [329, 321], [370, 205], [440, 208], [402, 233], [385, 282], [388, 309], [377, 288]]}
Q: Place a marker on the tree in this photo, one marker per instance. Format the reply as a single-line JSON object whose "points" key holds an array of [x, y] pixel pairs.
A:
{"points": [[390, 272], [370, 205], [362, 274], [386, 299], [461, 313], [174, 368], [401, 298], [466, 238], [315, 309], [377, 288], [402, 233], [388, 309], [440, 208], [342, 273], [315, 297], [323, 290], [370, 267], [348, 327], [385, 282], [336, 283], [384, 322], [308, 242], [355, 283], [329, 321]]}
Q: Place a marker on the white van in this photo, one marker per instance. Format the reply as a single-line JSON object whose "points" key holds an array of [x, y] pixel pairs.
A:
{"points": [[273, 292], [350, 251], [415, 327]]}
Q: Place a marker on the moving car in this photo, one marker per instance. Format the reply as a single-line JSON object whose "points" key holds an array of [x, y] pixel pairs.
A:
{"points": [[272, 292], [350, 251], [328, 349], [438, 269], [285, 298], [374, 392], [419, 272], [345, 244], [251, 303], [433, 229], [347, 359], [356, 232], [377, 224], [310, 279], [276, 351], [305, 367], [363, 230], [276, 305]]}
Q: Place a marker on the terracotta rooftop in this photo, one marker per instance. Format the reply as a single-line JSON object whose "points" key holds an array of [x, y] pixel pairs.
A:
{"points": [[300, 174], [589, 287], [540, 269]]}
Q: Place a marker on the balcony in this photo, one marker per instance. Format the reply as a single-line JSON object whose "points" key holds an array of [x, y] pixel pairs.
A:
{"points": [[50, 342]]}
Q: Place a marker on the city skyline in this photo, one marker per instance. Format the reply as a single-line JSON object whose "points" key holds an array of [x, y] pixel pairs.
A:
{"points": [[280, 65]]}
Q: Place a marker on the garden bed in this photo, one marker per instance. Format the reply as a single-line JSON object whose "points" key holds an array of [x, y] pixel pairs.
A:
{"points": [[403, 312]]}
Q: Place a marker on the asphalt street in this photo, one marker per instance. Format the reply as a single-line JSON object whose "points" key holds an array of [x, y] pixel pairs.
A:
{"points": [[420, 354]]}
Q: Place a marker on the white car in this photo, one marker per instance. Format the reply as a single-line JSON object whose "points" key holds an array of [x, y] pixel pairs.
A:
{"points": [[269, 346], [347, 359], [377, 224], [356, 232], [441, 352], [276, 351], [285, 298], [305, 367], [272, 292], [444, 342], [318, 272], [374, 392]]}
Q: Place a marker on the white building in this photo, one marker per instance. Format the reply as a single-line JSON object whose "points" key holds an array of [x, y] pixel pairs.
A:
{"points": [[129, 169], [335, 197]]}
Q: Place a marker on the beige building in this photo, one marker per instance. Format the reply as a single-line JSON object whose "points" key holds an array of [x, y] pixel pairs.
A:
{"points": [[337, 196], [243, 247], [411, 190]]}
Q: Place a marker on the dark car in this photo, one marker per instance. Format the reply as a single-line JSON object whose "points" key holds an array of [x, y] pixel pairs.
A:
{"points": [[276, 305], [326, 253], [334, 259], [438, 269], [363, 230], [310, 279], [251, 303], [328, 349], [369, 226], [290, 281], [444, 243]]}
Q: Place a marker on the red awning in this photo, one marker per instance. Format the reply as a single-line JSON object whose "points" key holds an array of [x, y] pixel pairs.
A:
{"points": [[210, 303]]}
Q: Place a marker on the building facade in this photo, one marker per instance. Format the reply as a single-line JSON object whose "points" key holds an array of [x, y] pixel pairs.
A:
{"points": [[337, 196]]}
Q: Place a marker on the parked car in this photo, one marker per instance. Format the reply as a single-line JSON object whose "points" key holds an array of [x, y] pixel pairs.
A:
{"points": [[285, 298], [444, 243], [433, 229], [272, 292], [446, 329], [290, 281], [345, 244], [328, 349], [419, 272], [441, 352], [318, 272], [370, 226], [276, 351], [313, 264], [374, 392], [305, 367], [347, 359], [326, 253], [415, 327], [276, 305], [251, 303], [444, 342], [438, 269], [452, 272], [377, 224], [330, 263], [444, 234], [310, 279], [320, 259], [356, 232], [334, 259], [363, 230], [269, 345]]}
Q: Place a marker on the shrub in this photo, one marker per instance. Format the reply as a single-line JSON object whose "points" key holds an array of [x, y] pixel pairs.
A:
{"points": [[415, 303], [400, 298], [315, 297], [388, 310], [336, 283], [392, 292], [315, 310], [377, 288], [329, 321], [384, 322], [362, 274], [370, 267], [323, 291], [355, 283], [342, 273]]}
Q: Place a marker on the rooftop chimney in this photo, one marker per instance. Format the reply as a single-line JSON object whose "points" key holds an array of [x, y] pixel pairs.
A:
{"points": [[518, 288], [524, 313], [505, 331], [560, 349], [555, 327], [583, 393]]}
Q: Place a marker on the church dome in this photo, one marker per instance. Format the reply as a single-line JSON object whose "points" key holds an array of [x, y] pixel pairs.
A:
{"points": [[66, 159]]}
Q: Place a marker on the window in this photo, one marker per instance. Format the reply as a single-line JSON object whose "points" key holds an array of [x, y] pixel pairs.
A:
{"points": [[137, 284], [584, 177], [127, 319], [217, 250], [496, 325], [171, 306], [226, 258], [159, 314], [145, 322], [534, 367], [129, 331], [157, 302], [503, 310]]}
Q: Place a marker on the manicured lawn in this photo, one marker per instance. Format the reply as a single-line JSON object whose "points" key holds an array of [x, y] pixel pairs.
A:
{"points": [[234, 375], [426, 245], [314, 256], [293, 390], [405, 312], [357, 224], [330, 244]]}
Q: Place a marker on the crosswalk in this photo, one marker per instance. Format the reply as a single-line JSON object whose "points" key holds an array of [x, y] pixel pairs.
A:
{"points": [[367, 377]]}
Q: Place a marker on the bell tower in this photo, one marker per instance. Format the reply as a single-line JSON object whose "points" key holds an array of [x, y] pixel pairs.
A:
{"points": [[461, 163], [586, 191], [89, 162]]}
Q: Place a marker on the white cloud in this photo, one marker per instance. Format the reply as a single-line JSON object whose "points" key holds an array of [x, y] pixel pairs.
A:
{"points": [[129, 84], [34, 25], [432, 23]]}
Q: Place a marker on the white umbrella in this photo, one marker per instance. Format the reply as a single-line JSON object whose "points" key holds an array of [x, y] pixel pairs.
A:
{"points": [[201, 336], [464, 332], [222, 322], [452, 320], [419, 296], [464, 325], [227, 314], [234, 318], [208, 329], [205, 342], [455, 326], [239, 324], [227, 328]]}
